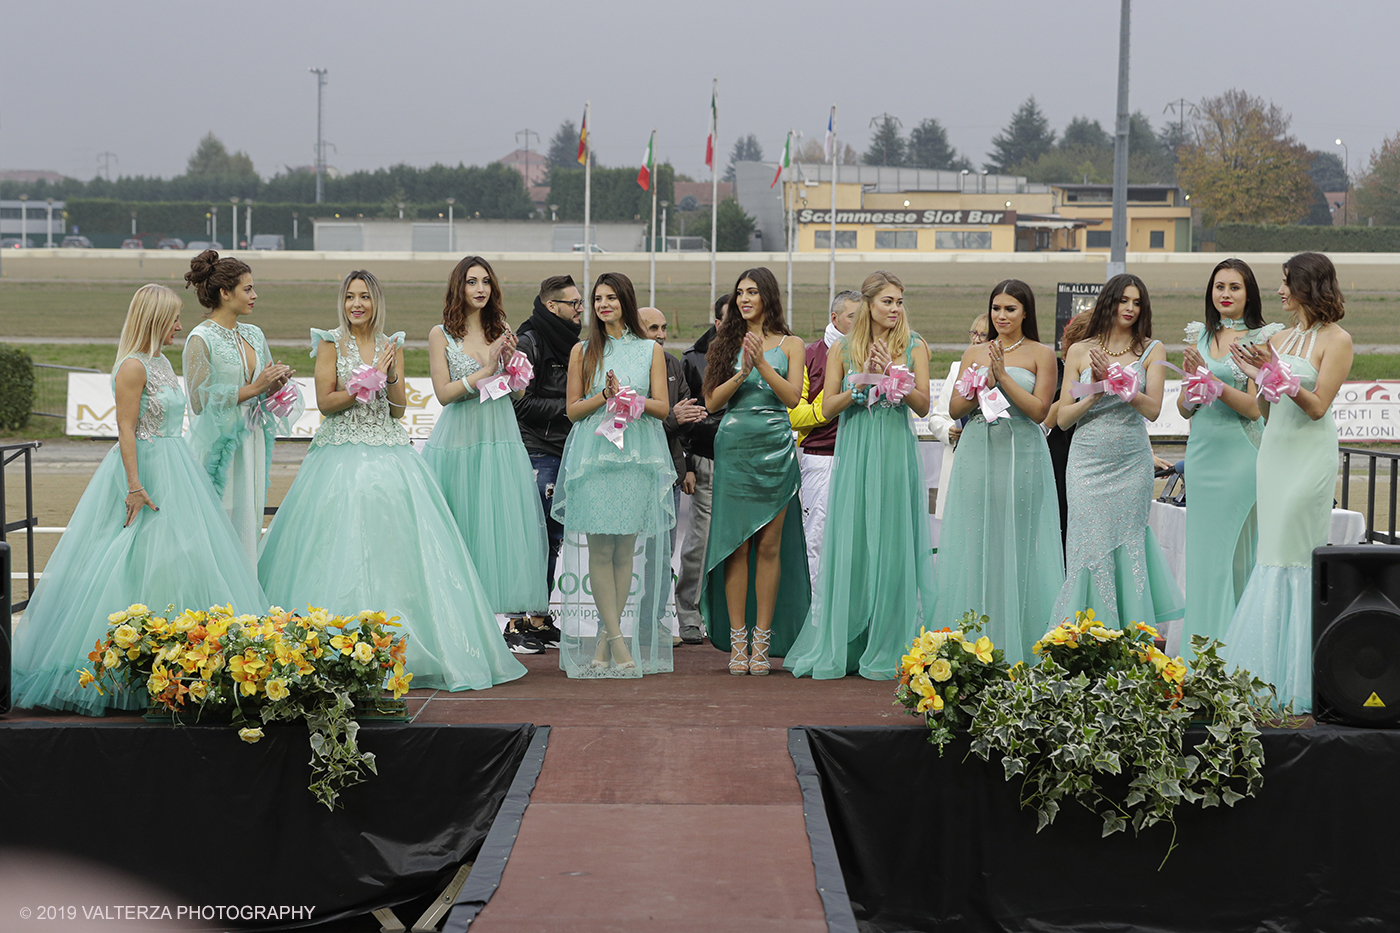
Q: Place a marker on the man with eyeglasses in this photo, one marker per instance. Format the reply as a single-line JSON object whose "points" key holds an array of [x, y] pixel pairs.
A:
{"points": [[547, 337]]}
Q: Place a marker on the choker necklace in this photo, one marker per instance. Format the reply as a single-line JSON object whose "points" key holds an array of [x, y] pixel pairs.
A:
{"points": [[1234, 323], [1006, 349], [1103, 345]]}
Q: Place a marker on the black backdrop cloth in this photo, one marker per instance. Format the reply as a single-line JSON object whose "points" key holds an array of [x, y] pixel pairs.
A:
{"points": [[941, 844], [215, 821]]}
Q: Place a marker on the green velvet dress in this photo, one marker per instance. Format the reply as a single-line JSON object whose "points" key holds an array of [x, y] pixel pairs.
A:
{"points": [[756, 476]]}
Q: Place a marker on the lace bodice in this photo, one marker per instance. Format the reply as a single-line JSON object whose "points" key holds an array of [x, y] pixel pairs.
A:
{"points": [[629, 356], [460, 363], [1227, 370], [162, 412], [364, 422]]}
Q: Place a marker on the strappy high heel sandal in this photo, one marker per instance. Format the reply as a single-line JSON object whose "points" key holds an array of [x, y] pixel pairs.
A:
{"points": [[738, 651], [758, 664], [630, 664]]}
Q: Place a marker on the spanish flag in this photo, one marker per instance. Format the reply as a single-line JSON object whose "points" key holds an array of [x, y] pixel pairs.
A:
{"points": [[583, 138]]}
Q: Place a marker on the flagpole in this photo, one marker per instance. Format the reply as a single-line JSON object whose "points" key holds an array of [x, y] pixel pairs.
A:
{"points": [[587, 212], [714, 186], [787, 199], [652, 180], [831, 274]]}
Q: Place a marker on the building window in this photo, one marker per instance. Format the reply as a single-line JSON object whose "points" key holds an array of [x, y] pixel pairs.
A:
{"points": [[1157, 239], [896, 239], [1098, 239], [963, 239], [845, 239]]}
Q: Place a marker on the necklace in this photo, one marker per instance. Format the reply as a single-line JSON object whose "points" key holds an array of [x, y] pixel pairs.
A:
{"points": [[1006, 349], [1103, 345], [1234, 323], [226, 330]]}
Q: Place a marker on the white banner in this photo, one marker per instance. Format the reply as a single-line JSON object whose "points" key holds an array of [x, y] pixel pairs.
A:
{"points": [[92, 410]]}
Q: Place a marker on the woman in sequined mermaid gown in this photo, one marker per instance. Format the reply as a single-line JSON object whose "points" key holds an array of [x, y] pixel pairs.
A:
{"points": [[756, 584], [1000, 553], [229, 373], [365, 525], [614, 499], [875, 584], [1271, 632], [171, 544], [1221, 453], [475, 449], [1113, 564]]}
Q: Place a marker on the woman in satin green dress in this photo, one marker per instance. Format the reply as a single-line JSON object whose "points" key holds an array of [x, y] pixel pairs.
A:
{"points": [[1271, 632], [756, 577], [1221, 531], [876, 581]]}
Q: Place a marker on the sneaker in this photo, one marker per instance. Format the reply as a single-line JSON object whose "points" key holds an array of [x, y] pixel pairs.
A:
{"points": [[523, 644], [691, 635], [543, 629]]}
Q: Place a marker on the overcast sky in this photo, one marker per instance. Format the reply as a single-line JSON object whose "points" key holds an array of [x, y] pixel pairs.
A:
{"points": [[450, 81]]}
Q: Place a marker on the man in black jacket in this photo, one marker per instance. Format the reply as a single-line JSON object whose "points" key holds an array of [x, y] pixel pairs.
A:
{"points": [[547, 338], [702, 464]]}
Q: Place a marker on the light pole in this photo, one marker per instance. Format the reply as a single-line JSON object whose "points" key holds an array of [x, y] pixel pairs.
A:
{"points": [[400, 210], [1346, 170], [554, 213], [48, 225], [234, 212], [664, 229], [133, 223], [248, 221], [295, 233], [320, 74], [451, 234], [24, 221], [213, 221]]}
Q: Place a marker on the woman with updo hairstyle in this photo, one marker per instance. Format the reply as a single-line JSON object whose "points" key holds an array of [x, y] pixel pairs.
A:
{"points": [[1296, 479], [365, 525], [875, 586], [999, 551], [757, 587], [230, 375], [147, 530]]}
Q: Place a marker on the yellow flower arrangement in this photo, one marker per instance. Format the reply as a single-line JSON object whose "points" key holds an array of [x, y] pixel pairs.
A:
{"points": [[943, 672]]}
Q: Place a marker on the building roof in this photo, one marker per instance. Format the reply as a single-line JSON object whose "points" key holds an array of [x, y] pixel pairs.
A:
{"points": [[533, 166], [701, 191], [26, 175]]}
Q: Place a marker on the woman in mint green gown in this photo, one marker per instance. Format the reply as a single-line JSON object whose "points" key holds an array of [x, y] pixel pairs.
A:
{"points": [[171, 544], [614, 499], [365, 525], [1221, 532], [756, 587], [1113, 563], [475, 449], [875, 585], [999, 553], [1271, 632]]}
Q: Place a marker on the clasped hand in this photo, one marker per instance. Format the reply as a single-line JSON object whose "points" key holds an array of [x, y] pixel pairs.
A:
{"points": [[611, 386], [996, 363], [879, 360], [272, 378], [1099, 361], [1250, 358], [753, 352], [689, 411], [384, 362], [502, 348]]}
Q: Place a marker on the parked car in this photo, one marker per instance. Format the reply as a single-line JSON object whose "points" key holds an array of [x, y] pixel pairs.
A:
{"points": [[594, 248], [133, 243], [202, 245], [170, 242], [75, 242], [269, 241], [11, 242]]}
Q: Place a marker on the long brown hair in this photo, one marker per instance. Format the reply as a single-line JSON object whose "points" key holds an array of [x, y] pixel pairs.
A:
{"points": [[1023, 294], [729, 336], [455, 307], [208, 274], [597, 331], [1101, 318], [1312, 280]]}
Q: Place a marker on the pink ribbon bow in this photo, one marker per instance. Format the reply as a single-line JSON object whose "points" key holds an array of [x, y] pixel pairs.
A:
{"points": [[894, 385], [1117, 381], [365, 382], [281, 402], [623, 408], [1276, 379], [517, 375], [973, 382], [1201, 388]]}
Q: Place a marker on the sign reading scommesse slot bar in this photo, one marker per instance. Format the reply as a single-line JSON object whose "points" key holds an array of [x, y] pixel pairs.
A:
{"points": [[920, 218]]}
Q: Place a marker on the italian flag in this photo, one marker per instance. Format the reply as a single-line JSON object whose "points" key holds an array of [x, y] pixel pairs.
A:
{"points": [[583, 138], [648, 161], [785, 161], [714, 122]]}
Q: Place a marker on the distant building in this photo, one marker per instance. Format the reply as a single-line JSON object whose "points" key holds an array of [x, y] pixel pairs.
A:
{"points": [[29, 176], [701, 191], [33, 223], [532, 166]]}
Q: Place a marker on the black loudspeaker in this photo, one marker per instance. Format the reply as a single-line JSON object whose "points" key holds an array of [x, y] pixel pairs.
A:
{"points": [[5, 628], [1356, 635]]}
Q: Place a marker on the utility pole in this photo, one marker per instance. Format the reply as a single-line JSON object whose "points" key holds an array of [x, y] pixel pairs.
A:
{"points": [[107, 158], [1118, 251], [527, 133], [320, 74]]}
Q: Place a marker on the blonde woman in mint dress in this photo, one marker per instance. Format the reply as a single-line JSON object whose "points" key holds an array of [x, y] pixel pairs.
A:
{"points": [[1271, 632]]}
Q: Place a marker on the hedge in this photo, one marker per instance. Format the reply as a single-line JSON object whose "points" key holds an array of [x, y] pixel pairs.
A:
{"points": [[16, 387], [155, 219], [1266, 238]]}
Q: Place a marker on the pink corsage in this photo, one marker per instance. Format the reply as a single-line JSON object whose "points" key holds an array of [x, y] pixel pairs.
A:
{"points": [[1276, 379], [365, 382], [894, 385], [1117, 381], [623, 408], [516, 376], [1200, 389], [281, 402], [973, 383]]}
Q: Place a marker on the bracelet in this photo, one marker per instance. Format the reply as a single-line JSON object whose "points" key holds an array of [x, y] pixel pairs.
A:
{"points": [[393, 382], [137, 489]]}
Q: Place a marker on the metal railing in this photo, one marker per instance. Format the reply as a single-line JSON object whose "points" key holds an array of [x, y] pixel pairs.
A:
{"points": [[8, 454], [1372, 535], [51, 388]]}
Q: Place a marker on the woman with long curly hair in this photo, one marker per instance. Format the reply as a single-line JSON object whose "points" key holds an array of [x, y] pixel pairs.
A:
{"points": [[876, 582], [614, 496], [754, 366], [475, 449]]}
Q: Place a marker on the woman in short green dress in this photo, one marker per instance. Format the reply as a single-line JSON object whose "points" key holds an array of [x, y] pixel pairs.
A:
{"points": [[756, 582], [876, 582]]}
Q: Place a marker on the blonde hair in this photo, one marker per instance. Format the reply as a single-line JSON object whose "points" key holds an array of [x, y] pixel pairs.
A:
{"points": [[860, 340], [153, 309], [376, 295]]}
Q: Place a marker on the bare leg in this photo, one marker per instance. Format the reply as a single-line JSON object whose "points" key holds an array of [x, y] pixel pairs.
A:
{"points": [[604, 581], [736, 596], [623, 548], [769, 570]]}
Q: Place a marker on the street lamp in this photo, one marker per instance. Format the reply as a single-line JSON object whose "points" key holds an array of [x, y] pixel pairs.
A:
{"points": [[451, 234], [248, 220], [48, 225], [133, 223], [554, 213], [400, 209], [24, 221], [962, 182], [1346, 170], [295, 234], [213, 222], [234, 211], [664, 229]]}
